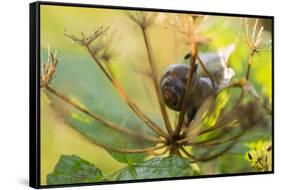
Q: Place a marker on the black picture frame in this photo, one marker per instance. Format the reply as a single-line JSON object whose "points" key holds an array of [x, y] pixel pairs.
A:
{"points": [[34, 91]]}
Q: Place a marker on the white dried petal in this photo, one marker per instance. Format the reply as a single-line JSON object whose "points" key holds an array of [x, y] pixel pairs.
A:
{"points": [[216, 64]]}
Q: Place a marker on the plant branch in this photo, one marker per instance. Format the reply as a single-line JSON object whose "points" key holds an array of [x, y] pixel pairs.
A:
{"points": [[207, 72], [96, 117], [199, 143], [162, 153], [225, 140], [188, 154], [247, 75], [128, 151], [156, 83], [153, 126], [224, 122], [210, 157], [86, 42], [175, 150], [98, 62], [208, 142], [194, 52], [184, 140]]}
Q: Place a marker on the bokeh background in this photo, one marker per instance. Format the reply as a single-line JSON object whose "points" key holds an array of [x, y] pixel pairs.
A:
{"points": [[78, 76]]}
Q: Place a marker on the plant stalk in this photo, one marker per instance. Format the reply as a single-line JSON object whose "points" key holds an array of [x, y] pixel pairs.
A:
{"points": [[128, 151], [247, 75], [153, 126], [211, 157], [156, 83], [96, 117], [207, 72], [207, 158], [194, 52]]}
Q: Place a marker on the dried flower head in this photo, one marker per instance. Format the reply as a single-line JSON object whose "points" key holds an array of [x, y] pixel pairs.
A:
{"points": [[48, 69], [143, 19], [86, 40], [189, 25], [254, 35], [105, 47]]}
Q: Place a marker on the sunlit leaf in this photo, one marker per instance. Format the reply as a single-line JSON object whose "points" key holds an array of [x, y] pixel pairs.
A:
{"points": [[159, 167], [72, 169], [93, 91]]}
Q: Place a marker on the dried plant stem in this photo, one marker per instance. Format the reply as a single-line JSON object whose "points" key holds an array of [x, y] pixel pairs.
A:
{"points": [[247, 75], [194, 52], [188, 154], [153, 126], [105, 122], [187, 137], [167, 148], [199, 143], [178, 152], [235, 137], [209, 142], [250, 62], [174, 150], [207, 158], [207, 72], [156, 82], [98, 62], [128, 151]]}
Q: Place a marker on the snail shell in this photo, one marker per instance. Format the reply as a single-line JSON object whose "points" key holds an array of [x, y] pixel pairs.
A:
{"points": [[172, 86]]}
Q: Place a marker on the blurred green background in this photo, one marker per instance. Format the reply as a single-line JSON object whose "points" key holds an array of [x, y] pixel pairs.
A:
{"points": [[77, 75]]}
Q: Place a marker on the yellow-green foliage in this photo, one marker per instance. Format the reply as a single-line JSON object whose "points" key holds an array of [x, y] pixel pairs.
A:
{"points": [[260, 155]]}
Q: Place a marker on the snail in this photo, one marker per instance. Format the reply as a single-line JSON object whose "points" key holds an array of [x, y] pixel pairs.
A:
{"points": [[173, 81]]}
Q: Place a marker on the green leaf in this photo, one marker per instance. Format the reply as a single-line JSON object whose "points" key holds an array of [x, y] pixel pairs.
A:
{"points": [[79, 78], [128, 158], [73, 169], [159, 167], [97, 132]]}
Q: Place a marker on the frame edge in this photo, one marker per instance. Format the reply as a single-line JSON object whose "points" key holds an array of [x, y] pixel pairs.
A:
{"points": [[34, 144]]}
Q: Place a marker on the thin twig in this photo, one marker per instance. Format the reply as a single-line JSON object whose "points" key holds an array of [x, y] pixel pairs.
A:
{"points": [[247, 75], [225, 140], [207, 72], [211, 157], [86, 42], [175, 150], [188, 154], [187, 137], [178, 152], [105, 122], [128, 151], [152, 125], [156, 83], [209, 142], [203, 159], [199, 143], [194, 52], [99, 63], [167, 148]]}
